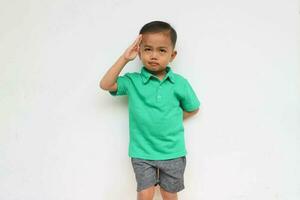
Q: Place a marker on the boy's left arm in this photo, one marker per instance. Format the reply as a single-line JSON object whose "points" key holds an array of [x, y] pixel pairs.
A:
{"points": [[190, 103], [189, 114]]}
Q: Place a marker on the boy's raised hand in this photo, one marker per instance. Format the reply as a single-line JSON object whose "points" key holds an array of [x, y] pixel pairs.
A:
{"points": [[133, 50]]}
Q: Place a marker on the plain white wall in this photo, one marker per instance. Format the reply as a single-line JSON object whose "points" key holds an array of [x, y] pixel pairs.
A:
{"points": [[62, 138]]}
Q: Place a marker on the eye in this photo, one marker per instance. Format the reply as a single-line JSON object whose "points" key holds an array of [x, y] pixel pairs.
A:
{"points": [[147, 49], [163, 51]]}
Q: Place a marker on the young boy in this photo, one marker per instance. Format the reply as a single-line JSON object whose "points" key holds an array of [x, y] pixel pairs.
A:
{"points": [[158, 101]]}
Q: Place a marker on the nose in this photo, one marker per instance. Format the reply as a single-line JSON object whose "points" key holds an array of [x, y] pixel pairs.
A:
{"points": [[153, 56]]}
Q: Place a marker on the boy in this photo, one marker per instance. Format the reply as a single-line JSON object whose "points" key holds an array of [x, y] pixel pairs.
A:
{"points": [[158, 101]]}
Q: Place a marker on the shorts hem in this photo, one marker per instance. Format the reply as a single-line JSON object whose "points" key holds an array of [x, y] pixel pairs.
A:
{"points": [[139, 189], [172, 191]]}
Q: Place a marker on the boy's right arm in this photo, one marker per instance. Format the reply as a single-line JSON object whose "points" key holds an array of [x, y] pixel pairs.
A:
{"points": [[109, 80]]}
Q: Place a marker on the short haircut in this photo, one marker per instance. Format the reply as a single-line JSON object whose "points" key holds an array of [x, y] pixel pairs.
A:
{"points": [[160, 26]]}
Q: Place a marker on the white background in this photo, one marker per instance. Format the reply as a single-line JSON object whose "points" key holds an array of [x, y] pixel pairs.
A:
{"points": [[63, 138]]}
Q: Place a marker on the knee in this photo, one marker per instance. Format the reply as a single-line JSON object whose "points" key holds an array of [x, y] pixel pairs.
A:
{"points": [[146, 194], [168, 195]]}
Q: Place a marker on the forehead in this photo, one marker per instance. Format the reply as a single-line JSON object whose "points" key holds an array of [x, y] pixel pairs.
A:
{"points": [[157, 39]]}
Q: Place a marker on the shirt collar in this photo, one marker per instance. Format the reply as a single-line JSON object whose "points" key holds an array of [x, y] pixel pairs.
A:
{"points": [[146, 75]]}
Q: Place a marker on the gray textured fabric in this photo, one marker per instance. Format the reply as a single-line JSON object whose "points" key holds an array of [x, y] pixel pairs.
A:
{"points": [[169, 174]]}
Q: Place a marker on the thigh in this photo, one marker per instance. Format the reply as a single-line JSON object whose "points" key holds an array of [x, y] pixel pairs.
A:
{"points": [[171, 174], [145, 173]]}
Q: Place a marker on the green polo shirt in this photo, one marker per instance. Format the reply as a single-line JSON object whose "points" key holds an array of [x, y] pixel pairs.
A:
{"points": [[156, 113]]}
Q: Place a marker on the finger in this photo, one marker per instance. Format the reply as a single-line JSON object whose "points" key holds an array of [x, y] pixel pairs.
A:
{"points": [[140, 39], [137, 40]]}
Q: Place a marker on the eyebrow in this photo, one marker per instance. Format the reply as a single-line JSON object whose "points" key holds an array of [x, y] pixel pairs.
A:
{"points": [[157, 47]]}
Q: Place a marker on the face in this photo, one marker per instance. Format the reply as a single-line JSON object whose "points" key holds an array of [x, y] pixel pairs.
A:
{"points": [[156, 51]]}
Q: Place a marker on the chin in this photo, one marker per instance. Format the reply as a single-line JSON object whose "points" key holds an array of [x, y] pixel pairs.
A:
{"points": [[152, 68], [155, 68]]}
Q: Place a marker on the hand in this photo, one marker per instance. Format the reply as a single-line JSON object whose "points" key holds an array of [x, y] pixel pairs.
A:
{"points": [[189, 114], [133, 50]]}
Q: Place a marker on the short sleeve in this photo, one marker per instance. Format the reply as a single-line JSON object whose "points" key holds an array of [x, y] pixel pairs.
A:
{"points": [[123, 85], [190, 101]]}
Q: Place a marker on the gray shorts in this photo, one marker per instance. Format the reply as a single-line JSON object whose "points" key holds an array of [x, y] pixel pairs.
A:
{"points": [[169, 174]]}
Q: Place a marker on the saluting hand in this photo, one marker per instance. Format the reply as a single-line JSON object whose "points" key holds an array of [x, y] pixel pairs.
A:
{"points": [[133, 50]]}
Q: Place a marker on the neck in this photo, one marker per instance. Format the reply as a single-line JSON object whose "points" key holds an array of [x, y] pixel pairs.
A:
{"points": [[160, 74]]}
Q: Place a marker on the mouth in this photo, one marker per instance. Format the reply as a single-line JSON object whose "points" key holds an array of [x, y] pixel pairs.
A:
{"points": [[153, 63]]}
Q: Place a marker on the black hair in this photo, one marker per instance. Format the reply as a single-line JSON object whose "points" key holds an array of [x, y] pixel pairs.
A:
{"points": [[160, 26]]}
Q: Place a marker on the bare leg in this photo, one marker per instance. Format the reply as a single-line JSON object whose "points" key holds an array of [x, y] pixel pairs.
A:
{"points": [[146, 194], [167, 195]]}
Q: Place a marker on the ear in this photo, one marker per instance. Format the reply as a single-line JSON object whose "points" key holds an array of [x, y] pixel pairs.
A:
{"points": [[173, 55]]}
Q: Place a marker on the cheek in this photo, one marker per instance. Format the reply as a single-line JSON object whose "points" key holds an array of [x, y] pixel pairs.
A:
{"points": [[144, 56], [167, 58]]}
